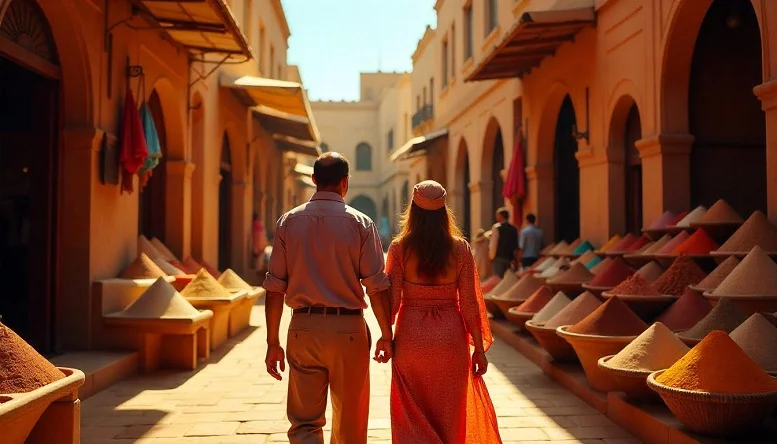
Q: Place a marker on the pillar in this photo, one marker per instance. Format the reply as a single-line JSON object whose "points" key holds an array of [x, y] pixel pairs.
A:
{"points": [[767, 93], [666, 173], [178, 229], [540, 189], [477, 216], [241, 221]]}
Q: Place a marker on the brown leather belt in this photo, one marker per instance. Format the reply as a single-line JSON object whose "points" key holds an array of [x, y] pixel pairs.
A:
{"points": [[329, 311]]}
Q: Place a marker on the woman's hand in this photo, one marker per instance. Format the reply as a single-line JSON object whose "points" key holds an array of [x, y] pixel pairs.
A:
{"points": [[479, 363]]}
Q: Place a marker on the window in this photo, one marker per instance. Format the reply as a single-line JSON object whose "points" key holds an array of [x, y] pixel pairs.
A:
{"points": [[261, 50], [445, 63], [491, 15], [363, 157], [453, 51], [390, 139], [324, 147], [468, 34]]}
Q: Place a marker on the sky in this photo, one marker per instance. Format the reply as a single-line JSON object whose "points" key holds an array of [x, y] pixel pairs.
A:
{"points": [[332, 41]]}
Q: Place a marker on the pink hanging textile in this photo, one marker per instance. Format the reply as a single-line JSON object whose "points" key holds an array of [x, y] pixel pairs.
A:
{"points": [[515, 183], [133, 149]]}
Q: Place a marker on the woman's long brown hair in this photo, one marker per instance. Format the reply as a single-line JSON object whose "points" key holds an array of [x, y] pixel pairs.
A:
{"points": [[430, 235]]}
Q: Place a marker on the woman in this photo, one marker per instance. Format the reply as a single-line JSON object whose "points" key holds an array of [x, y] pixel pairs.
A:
{"points": [[437, 390]]}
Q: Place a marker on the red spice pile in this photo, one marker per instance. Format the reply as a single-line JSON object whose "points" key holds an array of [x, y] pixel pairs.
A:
{"points": [[756, 231], [613, 318], [672, 244], [636, 285], [679, 276], [627, 240], [22, 369], [536, 301], [616, 272], [637, 244], [663, 221], [699, 243], [686, 311]]}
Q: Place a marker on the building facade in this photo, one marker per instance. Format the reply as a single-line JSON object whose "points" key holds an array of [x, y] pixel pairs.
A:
{"points": [[67, 67]]}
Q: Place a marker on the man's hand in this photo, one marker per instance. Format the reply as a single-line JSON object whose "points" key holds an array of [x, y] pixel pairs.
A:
{"points": [[276, 357], [384, 350]]}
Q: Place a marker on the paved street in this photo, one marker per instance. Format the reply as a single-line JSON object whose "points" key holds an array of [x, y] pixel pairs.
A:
{"points": [[233, 400]]}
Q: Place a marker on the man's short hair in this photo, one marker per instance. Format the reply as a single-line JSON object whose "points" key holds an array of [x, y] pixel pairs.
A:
{"points": [[502, 211], [330, 168], [531, 218]]}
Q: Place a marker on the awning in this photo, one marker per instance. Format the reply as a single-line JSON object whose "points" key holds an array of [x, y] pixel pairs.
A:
{"points": [[283, 96], [293, 145], [535, 36], [202, 26], [418, 145], [303, 170], [277, 122], [307, 181]]}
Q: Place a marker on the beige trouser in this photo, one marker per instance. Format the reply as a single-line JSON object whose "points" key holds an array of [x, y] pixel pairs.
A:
{"points": [[328, 351]]}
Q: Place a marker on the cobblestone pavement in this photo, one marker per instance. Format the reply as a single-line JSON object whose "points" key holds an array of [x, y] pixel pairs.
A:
{"points": [[232, 400]]}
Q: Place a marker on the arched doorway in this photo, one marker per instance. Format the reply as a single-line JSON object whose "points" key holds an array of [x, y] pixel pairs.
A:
{"points": [[633, 173], [225, 205], [365, 205], [492, 164], [198, 175], [29, 106], [462, 185], [152, 209], [497, 165], [728, 157], [566, 175]]}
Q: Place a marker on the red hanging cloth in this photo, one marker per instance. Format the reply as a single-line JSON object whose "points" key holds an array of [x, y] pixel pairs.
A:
{"points": [[133, 150], [515, 183]]}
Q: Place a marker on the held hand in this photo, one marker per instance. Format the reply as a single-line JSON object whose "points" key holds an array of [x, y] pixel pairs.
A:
{"points": [[276, 357], [384, 351], [479, 363]]}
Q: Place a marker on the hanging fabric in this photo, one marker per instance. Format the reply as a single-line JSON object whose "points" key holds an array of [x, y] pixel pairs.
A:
{"points": [[133, 149], [152, 143], [515, 185]]}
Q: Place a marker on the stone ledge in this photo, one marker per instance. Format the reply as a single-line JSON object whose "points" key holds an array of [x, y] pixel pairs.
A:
{"points": [[101, 368]]}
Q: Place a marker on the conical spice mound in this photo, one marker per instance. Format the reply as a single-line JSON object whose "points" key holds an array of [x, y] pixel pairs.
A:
{"points": [[586, 257], [686, 311], [232, 281], [559, 248], [546, 251], [756, 231], [145, 246], [673, 243], [578, 309], [717, 365], [522, 289], [160, 301], [507, 281], [22, 369], [191, 265], [692, 217], [657, 348], [657, 245], [142, 268], [650, 271], [720, 212], [662, 221], [577, 274], [610, 243], [720, 272], [162, 249], [725, 316], [559, 301], [615, 272], [682, 273], [756, 275], [635, 285], [698, 243], [757, 336], [625, 241], [613, 318], [205, 286], [536, 301], [571, 247]]}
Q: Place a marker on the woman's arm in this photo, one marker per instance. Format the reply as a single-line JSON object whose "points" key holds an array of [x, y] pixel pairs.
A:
{"points": [[473, 306]]}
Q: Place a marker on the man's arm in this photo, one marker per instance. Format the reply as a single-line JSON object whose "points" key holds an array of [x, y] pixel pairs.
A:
{"points": [[493, 243], [275, 282], [374, 279]]}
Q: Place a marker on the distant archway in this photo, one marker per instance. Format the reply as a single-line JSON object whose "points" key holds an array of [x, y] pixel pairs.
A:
{"points": [[626, 188], [198, 176], [462, 178], [225, 205], [566, 175], [152, 214], [491, 168], [363, 157], [366, 205]]}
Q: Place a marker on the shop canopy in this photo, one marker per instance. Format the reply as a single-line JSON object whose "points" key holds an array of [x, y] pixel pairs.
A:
{"points": [[277, 122], [293, 145], [201, 26], [418, 145], [303, 170], [536, 35]]}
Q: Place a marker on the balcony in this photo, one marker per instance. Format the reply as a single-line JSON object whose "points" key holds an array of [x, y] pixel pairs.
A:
{"points": [[423, 115]]}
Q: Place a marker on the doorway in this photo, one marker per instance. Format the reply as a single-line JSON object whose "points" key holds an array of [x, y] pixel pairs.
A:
{"points": [[225, 206], [29, 171], [566, 175], [467, 210], [497, 165], [633, 165], [151, 212]]}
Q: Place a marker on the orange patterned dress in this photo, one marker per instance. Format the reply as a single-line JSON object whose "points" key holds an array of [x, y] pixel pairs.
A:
{"points": [[435, 399]]}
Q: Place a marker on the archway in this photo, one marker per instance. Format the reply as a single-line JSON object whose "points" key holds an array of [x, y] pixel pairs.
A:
{"points": [[198, 176], [464, 201], [633, 174], [363, 157], [728, 157], [225, 205], [625, 188], [493, 164], [152, 201], [29, 179], [366, 205], [566, 175]]}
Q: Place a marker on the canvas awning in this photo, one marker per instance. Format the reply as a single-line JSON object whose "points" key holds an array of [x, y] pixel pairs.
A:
{"points": [[292, 145], [283, 96], [277, 122], [201, 26], [303, 170], [307, 181], [418, 145], [535, 36]]}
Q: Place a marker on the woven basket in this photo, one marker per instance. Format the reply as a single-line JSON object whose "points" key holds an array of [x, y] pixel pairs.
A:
{"points": [[596, 290], [690, 342], [749, 304], [646, 307], [570, 289], [590, 349], [555, 345], [518, 318], [715, 414], [492, 308], [506, 304], [630, 382]]}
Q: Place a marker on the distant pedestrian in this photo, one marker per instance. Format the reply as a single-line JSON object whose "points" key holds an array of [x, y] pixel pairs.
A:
{"points": [[530, 242], [503, 245]]}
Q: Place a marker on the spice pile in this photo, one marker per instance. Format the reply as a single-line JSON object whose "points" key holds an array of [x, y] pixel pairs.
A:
{"points": [[756, 231], [559, 248], [613, 318], [692, 217], [657, 348], [672, 244], [720, 272], [680, 216], [546, 251], [686, 311], [615, 272], [717, 365], [621, 245], [205, 286], [657, 245], [637, 244], [142, 268], [650, 271], [232, 281], [583, 248], [698, 243], [559, 301], [536, 301], [577, 274], [662, 221], [757, 336], [507, 281], [725, 316], [756, 275], [682, 273], [610, 243], [575, 311], [635, 285], [720, 213], [596, 265], [586, 258], [22, 369], [489, 284], [160, 301]]}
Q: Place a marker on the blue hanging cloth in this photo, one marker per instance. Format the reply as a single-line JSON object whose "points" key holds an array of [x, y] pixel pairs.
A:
{"points": [[152, 139]]}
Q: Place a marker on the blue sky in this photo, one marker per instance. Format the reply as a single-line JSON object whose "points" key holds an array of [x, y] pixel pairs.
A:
{"points": [[332, 41]]}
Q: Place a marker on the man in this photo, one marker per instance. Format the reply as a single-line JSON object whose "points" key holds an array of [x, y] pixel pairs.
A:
{"points": [[503, 244], [323, 253], [530, 242]]}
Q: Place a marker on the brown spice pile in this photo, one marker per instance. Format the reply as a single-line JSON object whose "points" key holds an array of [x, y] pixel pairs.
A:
{"points": [[636, 285], [160, 301], [657, 348], [651, 271], [22, 369], [142, 268], [575, 311], [756, 231], [522, 290], [720, 212], [686, 311], [692, 217], [657, 245], [613, 318], [725, 316], [681, 274], [205, 286], [145, 246], [616, 272], [720, 272], [577, 274], [232, 281], [758, 338], [756, 275], [662, 221], [673, 243]]}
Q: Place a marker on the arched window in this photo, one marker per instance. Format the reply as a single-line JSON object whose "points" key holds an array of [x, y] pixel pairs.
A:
{"points": [[363, 157], [324, 147]]}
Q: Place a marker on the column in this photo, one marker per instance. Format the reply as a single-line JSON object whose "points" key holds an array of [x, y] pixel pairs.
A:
{"points": [[666, 173], [178, 225], [539, 188], [477, 215], [767, 92], [241, 222]]}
